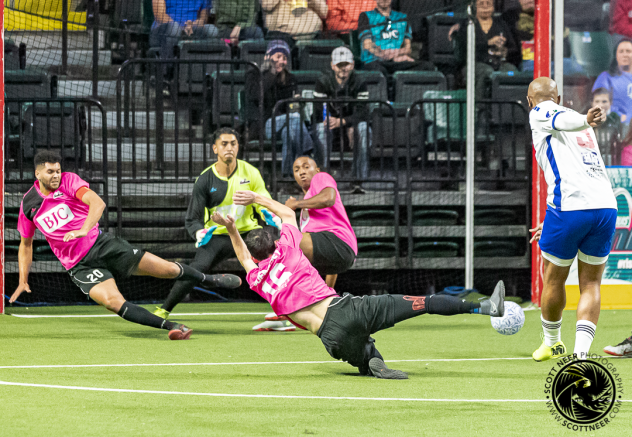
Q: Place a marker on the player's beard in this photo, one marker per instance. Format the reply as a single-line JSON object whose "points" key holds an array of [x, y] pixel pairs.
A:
{"points": [[49, 186]]}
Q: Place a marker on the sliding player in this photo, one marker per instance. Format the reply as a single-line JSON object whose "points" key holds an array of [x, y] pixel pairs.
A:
{"points": [[580, 218], [213, 191], [286, 279], [67, 211], [329, 242]]}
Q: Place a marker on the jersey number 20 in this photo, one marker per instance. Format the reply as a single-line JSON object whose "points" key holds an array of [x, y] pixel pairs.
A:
{"points": [[278, 281]]}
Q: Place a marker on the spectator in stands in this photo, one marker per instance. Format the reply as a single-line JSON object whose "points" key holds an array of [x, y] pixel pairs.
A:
{"points": [[343, 15], [621, 20], [520, 20], [177, 18], [494, 45], [278, 84], [291, 20], [386, 39], [345, 121], [618, 80], [236, 19], [608, 133], [626, 152]]}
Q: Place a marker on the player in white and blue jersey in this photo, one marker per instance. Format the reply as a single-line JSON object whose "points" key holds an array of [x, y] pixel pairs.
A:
{"points": [[580, 218]]}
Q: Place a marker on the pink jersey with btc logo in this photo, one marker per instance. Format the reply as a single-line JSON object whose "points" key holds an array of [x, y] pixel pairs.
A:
{"points": [[287, 279], [57, 214]]}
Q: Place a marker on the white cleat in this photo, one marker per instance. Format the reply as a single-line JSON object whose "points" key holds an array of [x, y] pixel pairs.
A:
{"points": [[272, 317], [623, 349], [280, 326]]}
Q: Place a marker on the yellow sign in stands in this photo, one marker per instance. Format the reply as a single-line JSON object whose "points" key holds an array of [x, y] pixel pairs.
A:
{"points": [[616, 286], [40, 15]]}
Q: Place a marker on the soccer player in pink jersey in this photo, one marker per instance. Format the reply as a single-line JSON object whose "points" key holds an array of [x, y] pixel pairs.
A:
{"points": [[66, 211], [328, 242], [286, 279]]}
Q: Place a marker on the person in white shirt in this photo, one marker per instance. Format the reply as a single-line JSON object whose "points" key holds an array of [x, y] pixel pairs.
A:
{"points": [[580, 218]]}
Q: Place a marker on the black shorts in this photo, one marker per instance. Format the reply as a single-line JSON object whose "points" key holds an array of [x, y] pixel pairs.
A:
{"points": [[331, 254], [110, 257], [348, 325]]}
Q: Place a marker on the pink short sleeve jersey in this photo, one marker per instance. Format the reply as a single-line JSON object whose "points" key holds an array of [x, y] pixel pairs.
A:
{"points": [[55, 215], [333, 219], [287, 279]]}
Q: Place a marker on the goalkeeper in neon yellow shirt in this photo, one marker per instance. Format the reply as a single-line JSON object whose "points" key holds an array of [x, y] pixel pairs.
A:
{"points": [[213, 191]]}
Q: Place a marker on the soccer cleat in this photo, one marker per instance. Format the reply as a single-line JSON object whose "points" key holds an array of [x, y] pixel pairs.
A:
{"points": [[623, 349], [280, 326], [545, 353], [380, 370], [180, 332], [161, 312], [222, 281], [272, 317], [497, 301]]}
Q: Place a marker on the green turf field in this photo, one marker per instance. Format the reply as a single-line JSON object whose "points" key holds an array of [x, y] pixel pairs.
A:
{"points": [[229, 380]]}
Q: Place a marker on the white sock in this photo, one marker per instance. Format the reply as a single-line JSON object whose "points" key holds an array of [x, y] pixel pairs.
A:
{"points": [[551, 330], [584, 338]]}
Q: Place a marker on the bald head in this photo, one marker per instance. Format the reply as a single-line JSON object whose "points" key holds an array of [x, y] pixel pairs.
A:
{"points": [[541, 90]]}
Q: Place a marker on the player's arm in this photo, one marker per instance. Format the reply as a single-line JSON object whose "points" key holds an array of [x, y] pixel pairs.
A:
{"points": [[25, 259], [242, 252], [574, 122], [97, 206], [286, 215], [324, 199], [194, 219]]}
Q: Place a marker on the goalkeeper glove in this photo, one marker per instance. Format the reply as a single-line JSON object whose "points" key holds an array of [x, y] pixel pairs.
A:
{"points": [[203, 236], [271, 219]]}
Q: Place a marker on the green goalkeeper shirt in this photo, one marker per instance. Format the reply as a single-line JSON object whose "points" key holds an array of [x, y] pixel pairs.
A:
{"points": [[213, 192]]}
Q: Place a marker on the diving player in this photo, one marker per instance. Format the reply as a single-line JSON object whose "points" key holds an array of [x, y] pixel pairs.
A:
{"points": [[67, 211], [285, 278], [580, 218]]}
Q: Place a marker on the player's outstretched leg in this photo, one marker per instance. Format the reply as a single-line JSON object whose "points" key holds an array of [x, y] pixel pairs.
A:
{"points": [[107, 295], [406, 307], [553, 302]]}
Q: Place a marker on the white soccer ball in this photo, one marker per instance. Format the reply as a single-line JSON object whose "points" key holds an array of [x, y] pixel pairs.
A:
{"points": [[511, 322]]}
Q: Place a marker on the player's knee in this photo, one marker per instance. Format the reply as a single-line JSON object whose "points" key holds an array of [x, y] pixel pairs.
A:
{"points": [[113, 303], [174, 270]]}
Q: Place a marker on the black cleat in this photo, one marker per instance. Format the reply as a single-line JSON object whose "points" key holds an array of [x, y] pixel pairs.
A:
{"points": [[222, 281], [380, 370]]}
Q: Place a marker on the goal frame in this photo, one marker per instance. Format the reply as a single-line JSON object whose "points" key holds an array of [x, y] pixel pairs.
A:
{"points": [[2, 152]]}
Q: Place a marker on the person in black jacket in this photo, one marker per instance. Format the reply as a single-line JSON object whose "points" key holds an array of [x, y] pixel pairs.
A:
{"points": [[278, 84], [494, 45], [345, 121]]}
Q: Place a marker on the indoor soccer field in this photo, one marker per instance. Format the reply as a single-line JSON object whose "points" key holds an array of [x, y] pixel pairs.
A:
{"points": [[97, 375]]}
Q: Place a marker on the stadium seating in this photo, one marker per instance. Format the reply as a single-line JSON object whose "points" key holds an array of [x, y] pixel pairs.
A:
{"points": [[376, 249], [495, 216], [435, 249], [510, 86], [226, 89], [440, 48], [316, 54], [372, 217], [306, 80], [577, 91], [448, 123], [389, 133], [376, 84], [495, 248], [410, 86], [591, 50], [584, 15], [435, 217], [191, 77]]}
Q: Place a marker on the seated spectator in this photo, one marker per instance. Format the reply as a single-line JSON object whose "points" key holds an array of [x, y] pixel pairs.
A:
{"points": [[608, 133], [343, 15], [386, 41], [292, 20], [177, 18], [345, 121], [626, 152], [621, 20], [618, 80], [278, 84], [520, 20], [236, 19], [494, 45]]}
